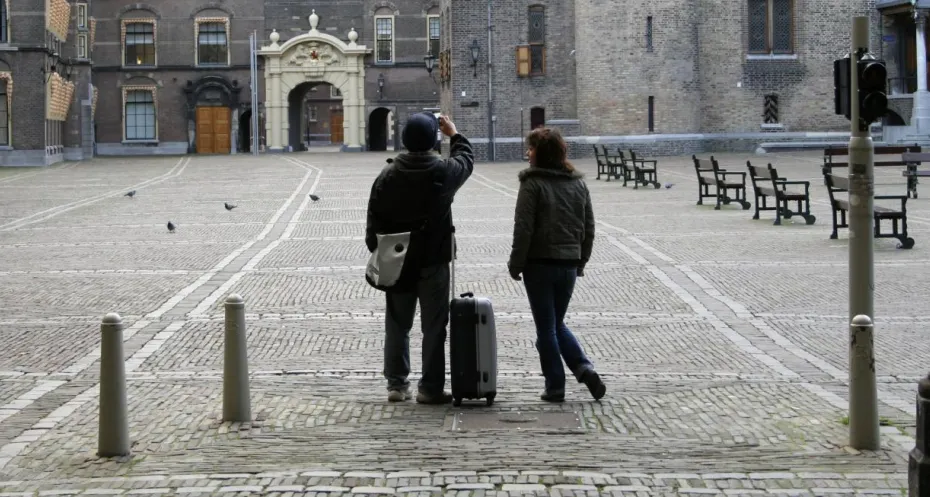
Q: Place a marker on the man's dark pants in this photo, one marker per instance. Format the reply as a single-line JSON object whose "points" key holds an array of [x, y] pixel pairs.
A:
{"points": [[433, 294]]}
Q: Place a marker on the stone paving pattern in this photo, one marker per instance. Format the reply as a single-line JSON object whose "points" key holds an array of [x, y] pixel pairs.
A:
{"points": [[722, 339]]}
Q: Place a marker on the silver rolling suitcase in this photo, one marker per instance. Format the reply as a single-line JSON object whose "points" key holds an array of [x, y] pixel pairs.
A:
{"points": [[472, 345]]}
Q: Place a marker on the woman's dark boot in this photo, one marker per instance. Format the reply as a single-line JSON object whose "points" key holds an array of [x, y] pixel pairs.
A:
{"points": [[553, 396], [597, 388]]}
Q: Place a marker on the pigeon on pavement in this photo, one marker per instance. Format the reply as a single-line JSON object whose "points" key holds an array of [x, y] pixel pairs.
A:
{"points": [[229, 206], [171, 227], [669, 185], [130, 194], [314, 197]]}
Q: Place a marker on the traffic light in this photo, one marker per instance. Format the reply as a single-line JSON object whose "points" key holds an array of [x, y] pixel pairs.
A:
{"points": [[873, 77], [841, 73]]}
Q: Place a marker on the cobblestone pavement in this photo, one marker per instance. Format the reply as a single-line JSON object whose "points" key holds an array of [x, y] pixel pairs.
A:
{"points": [[722, 339]]}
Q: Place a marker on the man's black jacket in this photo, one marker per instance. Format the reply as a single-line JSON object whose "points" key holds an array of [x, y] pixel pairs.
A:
{"points": [[418, 186]]}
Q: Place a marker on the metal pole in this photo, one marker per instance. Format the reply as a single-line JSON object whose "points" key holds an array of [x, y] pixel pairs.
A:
{"points": [[863, 394], [113, 432], [492, 143], [863, 410], [256, 137], [236, 405]]}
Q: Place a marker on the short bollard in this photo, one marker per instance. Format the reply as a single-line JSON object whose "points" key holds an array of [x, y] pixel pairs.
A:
{"points": [[863, 392], [236, 405], [918, 463], [113, 434]]}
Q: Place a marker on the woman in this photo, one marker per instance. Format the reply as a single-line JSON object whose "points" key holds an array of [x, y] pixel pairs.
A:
{"points": [[552, 238]]}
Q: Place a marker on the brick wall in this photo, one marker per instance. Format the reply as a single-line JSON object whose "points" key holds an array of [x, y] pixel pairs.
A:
{"points": [[554, 92], [176, 50]]}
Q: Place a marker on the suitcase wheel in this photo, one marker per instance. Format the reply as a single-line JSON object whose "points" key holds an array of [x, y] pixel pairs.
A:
{"points": [[456, 402], [490, 399]]}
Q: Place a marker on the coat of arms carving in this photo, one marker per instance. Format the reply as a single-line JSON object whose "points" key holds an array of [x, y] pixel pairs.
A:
{"points": [[312, 54]]}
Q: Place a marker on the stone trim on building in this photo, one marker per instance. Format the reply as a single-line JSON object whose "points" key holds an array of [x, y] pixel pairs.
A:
{"points": [[124, 92], [8, 77], [208, 20], [93, 104], [60, 94], [92, 29], [57, 17], [122, 37]]}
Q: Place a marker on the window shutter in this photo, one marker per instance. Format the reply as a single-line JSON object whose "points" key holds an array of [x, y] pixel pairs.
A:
{"points": [[523, 61]]}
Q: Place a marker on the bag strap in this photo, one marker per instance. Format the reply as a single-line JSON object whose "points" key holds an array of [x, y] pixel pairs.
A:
{"points": [[452, 273]]}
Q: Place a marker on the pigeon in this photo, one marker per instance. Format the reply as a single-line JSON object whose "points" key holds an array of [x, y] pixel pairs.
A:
{"points": [[669, 185], [171, 227], [229, 206], [314, 197], [130, 194]]}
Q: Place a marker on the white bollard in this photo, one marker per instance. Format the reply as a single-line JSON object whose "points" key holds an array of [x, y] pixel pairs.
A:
{"points": [[236, 404], [113, 434]]}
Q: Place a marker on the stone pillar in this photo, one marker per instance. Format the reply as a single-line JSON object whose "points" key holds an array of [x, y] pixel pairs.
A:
{"points": [[275, 118], [918, 467], [234, 131], [921, 119], [352, 103]]}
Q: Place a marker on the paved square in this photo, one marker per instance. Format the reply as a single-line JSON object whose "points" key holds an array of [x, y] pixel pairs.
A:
{"points": [[722, 339]]}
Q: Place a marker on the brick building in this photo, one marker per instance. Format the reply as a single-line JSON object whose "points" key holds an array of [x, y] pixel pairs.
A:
{"points": [[660, 76], [112, 77], [166, 77]]}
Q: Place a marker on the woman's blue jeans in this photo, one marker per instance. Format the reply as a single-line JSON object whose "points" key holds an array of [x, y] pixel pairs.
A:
{"points": [[549, 289]]}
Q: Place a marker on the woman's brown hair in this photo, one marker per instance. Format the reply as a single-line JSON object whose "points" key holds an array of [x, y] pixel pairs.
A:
{"points": [[551, 149]]}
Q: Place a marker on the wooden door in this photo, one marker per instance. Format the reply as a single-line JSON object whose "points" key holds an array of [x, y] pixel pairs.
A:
{"points": [[221, 130], [335, 127], [213, 130], [205, 130]]}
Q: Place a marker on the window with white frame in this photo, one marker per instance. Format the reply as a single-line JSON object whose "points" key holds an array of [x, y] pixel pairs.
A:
{"points": [[384, 39], [82, 46], [139, 43], [334, 92], [433, 28], [212, 43], [139, 114], [4, 114], [82, 16]]}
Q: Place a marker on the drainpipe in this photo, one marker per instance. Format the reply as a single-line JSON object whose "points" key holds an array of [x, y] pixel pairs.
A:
{"points": [[492, 143]]}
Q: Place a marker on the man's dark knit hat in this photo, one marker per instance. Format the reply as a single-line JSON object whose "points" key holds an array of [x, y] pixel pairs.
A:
{"points": [[420, 132]]}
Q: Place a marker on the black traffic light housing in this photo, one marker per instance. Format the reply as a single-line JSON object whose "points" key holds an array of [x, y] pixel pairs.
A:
{"points": [[872, 99], [873, 80]]}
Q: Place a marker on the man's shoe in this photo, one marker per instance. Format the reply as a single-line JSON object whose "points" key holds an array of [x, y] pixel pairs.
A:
{"points": [[398, 395], [442, 398], [554, 396], [597, 388]]}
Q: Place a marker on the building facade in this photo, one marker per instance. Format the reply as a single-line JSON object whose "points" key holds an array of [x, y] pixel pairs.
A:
{"points": [[111, 77], [661, 76]]}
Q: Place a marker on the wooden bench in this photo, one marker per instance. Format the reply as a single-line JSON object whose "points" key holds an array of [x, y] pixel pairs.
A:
{"points": [[718, 178], [840, 184], [767, 184], [603, 165], [645, 171], [913, 159], [834, 157]]}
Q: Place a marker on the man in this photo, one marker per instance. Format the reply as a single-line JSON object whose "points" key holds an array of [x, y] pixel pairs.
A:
{"points": [[420, 185]]}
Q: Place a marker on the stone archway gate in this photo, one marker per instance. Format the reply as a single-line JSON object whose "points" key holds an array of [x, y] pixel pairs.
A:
{"points": [[314, 56]]}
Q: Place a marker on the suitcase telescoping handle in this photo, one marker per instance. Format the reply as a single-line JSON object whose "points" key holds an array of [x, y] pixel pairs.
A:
{"points": [[452, 282]]}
